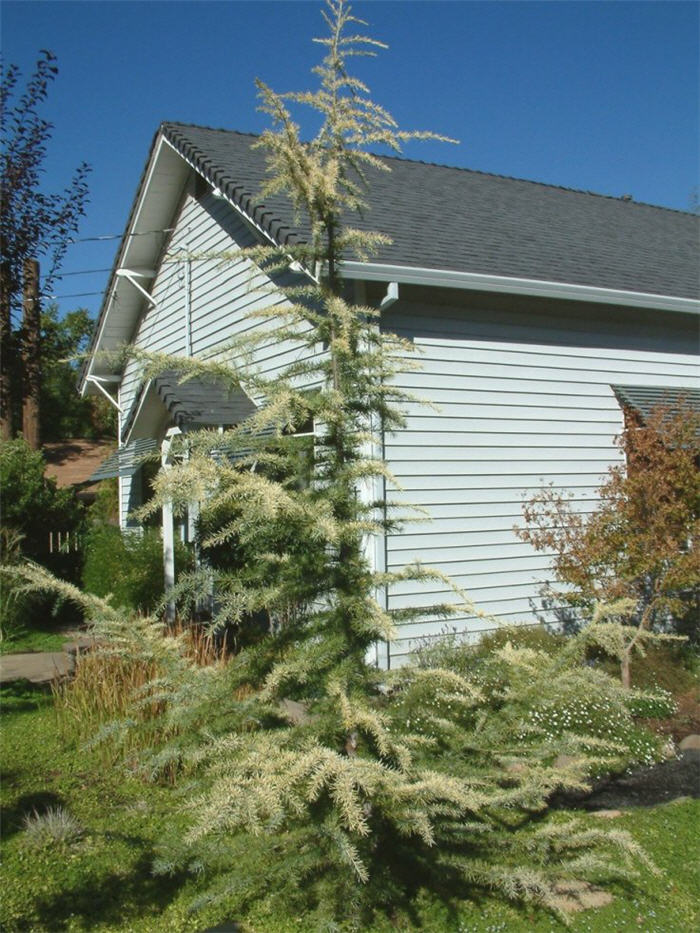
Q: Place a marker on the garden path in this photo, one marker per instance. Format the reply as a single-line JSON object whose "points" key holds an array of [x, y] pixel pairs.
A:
{"points": [[38, 667], [42, 667]]}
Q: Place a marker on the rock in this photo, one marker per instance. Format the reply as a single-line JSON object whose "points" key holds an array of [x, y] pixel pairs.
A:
{"points": [[296, 713], [607, 814], [565, 761], [669, 750], [571, 896], [690, 742]]}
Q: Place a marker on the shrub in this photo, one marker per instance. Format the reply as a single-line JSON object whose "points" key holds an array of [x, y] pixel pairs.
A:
{"points": [[544, 685], [672, 668], [32, 506], [54, 827], [128, 567], [457, 655]]}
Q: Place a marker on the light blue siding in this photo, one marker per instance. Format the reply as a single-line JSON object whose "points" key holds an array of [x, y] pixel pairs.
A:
{"points": [[524, 398], [224, 289]]}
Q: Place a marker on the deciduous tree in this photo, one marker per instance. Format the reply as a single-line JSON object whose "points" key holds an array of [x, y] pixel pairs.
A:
{"points": [[34, 225], [638, 549]]}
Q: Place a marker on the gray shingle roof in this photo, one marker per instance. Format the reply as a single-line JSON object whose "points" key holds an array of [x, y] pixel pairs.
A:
{"points": [[460, 220], [644, 399], [201, 402], [197, 403], [126, 460]]}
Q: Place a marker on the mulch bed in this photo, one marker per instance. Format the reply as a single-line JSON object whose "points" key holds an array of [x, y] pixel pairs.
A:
{"points": [[678, 777]]}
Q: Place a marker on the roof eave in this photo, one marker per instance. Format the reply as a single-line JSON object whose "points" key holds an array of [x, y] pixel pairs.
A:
{"points": [[134, 252], [476, 281]]}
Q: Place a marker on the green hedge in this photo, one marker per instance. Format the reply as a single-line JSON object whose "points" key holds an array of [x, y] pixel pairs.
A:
{"points": [[32, 507], [129, 566]]}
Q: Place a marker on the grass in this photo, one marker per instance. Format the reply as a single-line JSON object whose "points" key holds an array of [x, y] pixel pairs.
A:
{"points": [[30, 640], [663, 904], [102, 880]]}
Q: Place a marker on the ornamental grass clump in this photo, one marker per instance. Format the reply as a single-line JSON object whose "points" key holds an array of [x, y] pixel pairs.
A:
{"points": [[53, 828]]}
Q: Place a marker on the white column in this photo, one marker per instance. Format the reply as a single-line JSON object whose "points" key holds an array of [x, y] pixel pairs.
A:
{"points": [[168, 528]]}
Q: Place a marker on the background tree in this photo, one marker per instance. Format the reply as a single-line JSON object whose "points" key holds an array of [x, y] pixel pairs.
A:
{"points": [[64, 413], [638, 550], [32, 507], [34, 225]]}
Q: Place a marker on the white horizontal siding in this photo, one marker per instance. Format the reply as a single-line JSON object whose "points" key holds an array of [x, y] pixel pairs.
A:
{"points": [[225, 288], [224, 291], [523, 399]]}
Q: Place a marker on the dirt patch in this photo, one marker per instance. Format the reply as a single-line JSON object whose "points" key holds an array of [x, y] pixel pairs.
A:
{"points": [[571, 896], [685, 721]]}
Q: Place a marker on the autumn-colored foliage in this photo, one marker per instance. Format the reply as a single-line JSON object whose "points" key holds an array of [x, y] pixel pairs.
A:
{"points": [[639, 547]]}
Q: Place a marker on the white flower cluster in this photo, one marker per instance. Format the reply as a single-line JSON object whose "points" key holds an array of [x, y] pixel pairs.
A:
{"points": [[599, 718]]}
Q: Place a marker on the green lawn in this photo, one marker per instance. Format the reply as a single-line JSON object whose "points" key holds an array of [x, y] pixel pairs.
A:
{"points": [[33, 640], [103, 881]]}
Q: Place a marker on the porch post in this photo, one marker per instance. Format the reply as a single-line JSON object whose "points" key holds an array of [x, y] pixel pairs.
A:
{"points": [[168, 529], [169, 557]]}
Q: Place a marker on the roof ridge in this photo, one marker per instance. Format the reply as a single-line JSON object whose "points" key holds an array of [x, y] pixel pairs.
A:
{"points": [[462, 168]]}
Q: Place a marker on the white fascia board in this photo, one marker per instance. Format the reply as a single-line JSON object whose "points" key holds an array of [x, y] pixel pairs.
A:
{"points": [[475, 281], [115, 282], [219, 194]]}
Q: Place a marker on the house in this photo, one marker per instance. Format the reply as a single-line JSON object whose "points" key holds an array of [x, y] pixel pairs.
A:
{"points": [[536, 310]]}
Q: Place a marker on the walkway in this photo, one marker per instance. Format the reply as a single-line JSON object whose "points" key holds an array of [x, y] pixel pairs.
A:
{"points": [[41, 667]]}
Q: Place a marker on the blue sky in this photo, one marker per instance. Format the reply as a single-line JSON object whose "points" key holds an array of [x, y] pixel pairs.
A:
{"points": [[601, 96]]}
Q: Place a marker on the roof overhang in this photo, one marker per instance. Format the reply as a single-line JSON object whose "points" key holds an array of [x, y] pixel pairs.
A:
{"points": [[644, 399], [126, 460], [475, 281], [145, 236], [193, 404], [157, 197]]}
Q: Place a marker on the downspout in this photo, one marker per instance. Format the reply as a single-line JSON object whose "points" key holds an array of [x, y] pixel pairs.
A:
{"points": [[193, 507], [120, 478], [374, 490]]}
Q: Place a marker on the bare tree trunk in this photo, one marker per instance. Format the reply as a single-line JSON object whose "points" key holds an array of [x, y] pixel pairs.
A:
{"points": [[5, 351], [625, 669], [31, 354]]}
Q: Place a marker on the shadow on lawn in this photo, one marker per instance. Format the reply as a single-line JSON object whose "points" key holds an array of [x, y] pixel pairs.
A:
{"points": [[13, 817], [22, 696], [116, 898]]}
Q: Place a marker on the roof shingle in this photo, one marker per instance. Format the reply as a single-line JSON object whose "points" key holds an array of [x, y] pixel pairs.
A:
{"points": [[456, 219]]}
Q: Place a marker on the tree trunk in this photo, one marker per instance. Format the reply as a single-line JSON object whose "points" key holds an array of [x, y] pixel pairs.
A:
{"points": [[625, 669], [5, 351], [31, 354]]}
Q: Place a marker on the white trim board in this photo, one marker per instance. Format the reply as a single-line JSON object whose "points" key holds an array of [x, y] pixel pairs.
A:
{"points": [[476, 281]]}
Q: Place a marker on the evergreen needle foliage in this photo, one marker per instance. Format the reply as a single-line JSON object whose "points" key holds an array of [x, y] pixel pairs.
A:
{"points": [[316, 792]]}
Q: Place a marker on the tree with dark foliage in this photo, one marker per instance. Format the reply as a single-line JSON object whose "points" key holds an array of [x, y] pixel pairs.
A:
{"points": [[33, 223]]}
